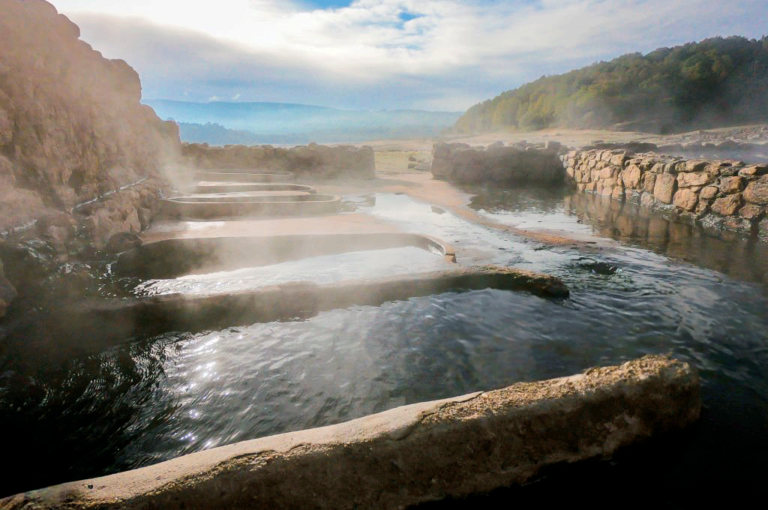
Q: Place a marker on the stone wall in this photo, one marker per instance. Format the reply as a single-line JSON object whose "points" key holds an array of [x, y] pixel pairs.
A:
{"points": [[312, 160], [72, 127], [726, 194], [498, 163]]}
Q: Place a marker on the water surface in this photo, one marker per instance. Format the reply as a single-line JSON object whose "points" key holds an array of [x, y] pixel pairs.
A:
{"points": [[682, 292]]}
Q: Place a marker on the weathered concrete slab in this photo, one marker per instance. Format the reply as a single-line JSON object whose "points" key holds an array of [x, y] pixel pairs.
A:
{"points": [[422, 452], [172, 258], [236, 206], [234, 187], [112, 321], [243, 176]]}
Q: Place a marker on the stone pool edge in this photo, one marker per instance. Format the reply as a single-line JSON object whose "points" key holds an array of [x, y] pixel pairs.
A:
{"points": [[411, 454]]}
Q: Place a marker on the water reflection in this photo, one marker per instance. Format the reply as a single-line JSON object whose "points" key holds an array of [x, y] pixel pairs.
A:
{"points": [[732, 254]]}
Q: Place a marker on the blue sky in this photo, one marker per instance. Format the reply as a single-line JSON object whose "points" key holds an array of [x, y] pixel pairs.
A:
{"points": [[385, 54]]}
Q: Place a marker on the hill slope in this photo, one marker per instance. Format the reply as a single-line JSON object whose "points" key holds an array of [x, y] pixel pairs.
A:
{"points": [[717, 82], [224, 122]]}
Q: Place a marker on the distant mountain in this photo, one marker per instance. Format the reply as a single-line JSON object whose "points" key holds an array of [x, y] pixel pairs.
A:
{"points": [[717, 82], [220, 123]]}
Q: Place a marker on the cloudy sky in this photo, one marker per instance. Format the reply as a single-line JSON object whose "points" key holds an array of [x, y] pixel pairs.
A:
{"points": [[385, 54]]}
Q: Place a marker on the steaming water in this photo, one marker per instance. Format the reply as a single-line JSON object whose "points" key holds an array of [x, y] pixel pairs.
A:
{"points": [[324, 269], [157, 398]]}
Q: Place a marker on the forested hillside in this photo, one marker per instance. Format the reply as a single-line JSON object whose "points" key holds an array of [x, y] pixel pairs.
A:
{"points": [[718, 81]]}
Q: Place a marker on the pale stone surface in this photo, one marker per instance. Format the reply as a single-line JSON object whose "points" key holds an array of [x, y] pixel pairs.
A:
{"points": [[664, 188], [686, 199], [727, 206], [753, 171], [757, 191], [631, 176], [412, 454], [688, 179], [648, 182], [729, 185], [751, 212], [709, 192]]}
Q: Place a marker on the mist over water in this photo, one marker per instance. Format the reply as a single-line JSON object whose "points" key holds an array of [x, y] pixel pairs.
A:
{"points": [[152, 399]]}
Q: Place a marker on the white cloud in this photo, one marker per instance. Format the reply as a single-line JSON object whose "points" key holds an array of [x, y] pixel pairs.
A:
{"points": [[453, 50]]}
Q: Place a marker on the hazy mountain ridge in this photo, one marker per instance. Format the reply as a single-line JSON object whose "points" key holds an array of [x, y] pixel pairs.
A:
{"points": [[222, 123], [716, 82]]}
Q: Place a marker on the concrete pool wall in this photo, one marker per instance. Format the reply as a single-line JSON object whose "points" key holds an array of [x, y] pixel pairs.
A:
{"points": [[412, 454]]}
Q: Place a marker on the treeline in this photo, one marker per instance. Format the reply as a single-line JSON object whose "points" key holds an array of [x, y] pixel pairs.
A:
{"points": [[717, 82]]}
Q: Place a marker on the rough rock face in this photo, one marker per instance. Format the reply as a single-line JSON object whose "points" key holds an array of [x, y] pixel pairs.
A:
{"points": [[727, 194], [71, 124], [459, 162], [311, 160]]}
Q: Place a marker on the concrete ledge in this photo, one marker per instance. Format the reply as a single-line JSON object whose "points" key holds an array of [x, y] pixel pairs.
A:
{"points": [[106, 322], [234, 187], [172, 258], [412, 454], [242, 176], [232, 206]]}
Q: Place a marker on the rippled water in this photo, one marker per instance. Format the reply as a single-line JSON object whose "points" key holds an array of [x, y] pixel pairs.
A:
{"points": [[157, 398]]}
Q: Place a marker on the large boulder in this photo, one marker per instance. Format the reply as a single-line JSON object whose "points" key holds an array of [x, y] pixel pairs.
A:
{"points": [[71, 123], [497, 164]]}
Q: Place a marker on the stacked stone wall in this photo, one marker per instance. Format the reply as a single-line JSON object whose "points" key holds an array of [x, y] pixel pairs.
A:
{"points": [[727, 194], [311, 160]]}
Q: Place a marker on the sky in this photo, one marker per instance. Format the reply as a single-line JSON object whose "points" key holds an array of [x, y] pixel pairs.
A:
{"points": [[385, 54]]}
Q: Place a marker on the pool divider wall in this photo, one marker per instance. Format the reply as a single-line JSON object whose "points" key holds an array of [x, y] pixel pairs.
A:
{"points": [[233, 207], [172, 258], [107, 322], [412, 454], [235, 187], [243, 176]]}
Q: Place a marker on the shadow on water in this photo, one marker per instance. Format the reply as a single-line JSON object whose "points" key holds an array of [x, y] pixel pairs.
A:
{"points": [[148, 400]]}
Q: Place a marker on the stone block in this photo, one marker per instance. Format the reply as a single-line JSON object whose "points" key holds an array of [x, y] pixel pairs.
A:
{"points": [[757, 191], [664, 188], [709, 192], [688, 179], [727, 206], [729, 185], [686, 199], [631, 176]]}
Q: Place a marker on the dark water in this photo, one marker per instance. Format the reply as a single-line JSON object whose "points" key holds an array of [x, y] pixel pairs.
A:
{"points": [[676, 290]]}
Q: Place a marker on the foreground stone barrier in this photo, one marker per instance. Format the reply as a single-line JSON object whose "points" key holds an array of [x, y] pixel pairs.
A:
{"points": [[458, 162], [106, 322], [724, 194], [312, 160], [412, 454]]}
